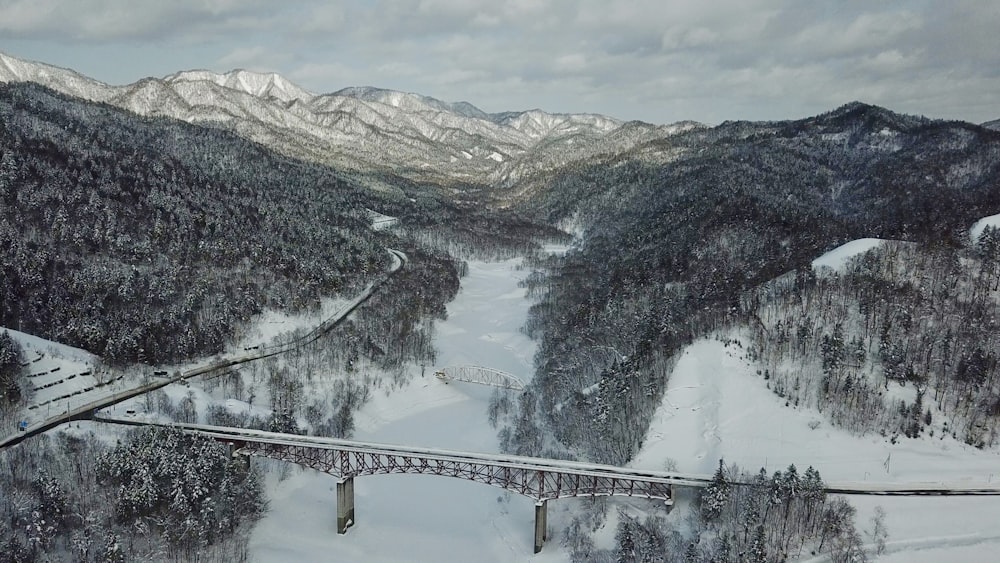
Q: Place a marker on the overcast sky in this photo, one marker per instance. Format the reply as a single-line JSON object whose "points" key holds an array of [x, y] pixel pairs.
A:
{"points": [[655, 60]]}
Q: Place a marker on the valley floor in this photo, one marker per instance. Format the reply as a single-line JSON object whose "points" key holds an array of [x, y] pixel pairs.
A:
{"points": [[715, 406], [415, 517]]}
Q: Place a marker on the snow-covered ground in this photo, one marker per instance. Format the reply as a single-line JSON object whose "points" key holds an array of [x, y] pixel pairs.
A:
{"points": [[416, 517], [837, 258], [717, 406], [979, 226], [272, 326], [62, 376], [58, 375]]}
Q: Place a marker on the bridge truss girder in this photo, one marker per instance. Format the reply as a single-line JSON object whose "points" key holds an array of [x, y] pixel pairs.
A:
{"points": [[537, 484]]}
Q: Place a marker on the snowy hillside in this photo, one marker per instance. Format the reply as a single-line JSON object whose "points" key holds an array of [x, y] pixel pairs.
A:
{"points": [[261, 85], [837, 258], [60, 79], [716, 406], [979, 226]]}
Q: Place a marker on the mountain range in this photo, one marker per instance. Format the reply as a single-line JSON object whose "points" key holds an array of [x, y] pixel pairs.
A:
{"points": [[363, 129]]}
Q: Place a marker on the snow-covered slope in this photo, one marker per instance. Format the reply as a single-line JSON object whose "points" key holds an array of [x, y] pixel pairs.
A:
{"points": [[360, 128], [261, 85], [717, 406], [59, 79], [977, 229], [837, 258]]}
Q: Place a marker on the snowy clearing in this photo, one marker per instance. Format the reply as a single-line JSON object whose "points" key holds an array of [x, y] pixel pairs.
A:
{"points": [[58, 375], [837, 258], [979, 226]]}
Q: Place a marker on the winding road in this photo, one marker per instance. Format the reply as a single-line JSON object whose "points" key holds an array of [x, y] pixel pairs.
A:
{"points": [[86, 411]]}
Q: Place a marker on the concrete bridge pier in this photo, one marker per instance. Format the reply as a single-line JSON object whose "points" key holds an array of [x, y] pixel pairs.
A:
{"points": [[345, 504], [234, 454], [541, 513]]}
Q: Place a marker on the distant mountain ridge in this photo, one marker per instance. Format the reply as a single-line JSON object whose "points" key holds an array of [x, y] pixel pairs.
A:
{"points": [[261, 85], [364, 129]]}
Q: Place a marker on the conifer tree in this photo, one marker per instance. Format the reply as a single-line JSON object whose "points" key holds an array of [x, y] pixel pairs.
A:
{"points": [[715, 496]]}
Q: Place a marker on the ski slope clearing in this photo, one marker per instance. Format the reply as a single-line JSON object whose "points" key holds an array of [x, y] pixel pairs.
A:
{"points": [[717, 406], [31, 343], [417, 517], [837, 258]]}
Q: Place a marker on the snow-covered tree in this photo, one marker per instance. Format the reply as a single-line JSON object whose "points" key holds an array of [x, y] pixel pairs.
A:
{"points": [[715, 496]]}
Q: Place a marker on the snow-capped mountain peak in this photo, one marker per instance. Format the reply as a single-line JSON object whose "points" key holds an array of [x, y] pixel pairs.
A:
{"points": [[406, 100], [259, 84], [537, 123]]}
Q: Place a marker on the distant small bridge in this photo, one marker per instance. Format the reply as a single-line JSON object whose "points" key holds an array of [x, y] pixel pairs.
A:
{"points": [[480, 375]]}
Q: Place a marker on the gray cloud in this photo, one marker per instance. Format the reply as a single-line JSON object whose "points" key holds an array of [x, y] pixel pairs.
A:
{"points": [[95, 21], [646, 59]]}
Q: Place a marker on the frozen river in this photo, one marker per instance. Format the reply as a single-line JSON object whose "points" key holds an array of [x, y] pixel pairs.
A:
{"points": [[416, 517]]}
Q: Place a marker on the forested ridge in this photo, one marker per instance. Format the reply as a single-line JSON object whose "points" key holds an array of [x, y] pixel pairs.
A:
{"points": [[675, 231], [715, 230], [149, 240], [901, 343], [152, 240]]}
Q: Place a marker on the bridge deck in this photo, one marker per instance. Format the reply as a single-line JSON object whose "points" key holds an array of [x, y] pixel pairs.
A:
{"points": [[964, 488], [537, 478], [446, 456]]}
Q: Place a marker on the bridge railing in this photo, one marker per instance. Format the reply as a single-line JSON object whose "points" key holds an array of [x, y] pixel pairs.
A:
{"points": [[248, 437]]}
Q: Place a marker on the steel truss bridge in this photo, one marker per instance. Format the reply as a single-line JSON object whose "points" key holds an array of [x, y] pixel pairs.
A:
{"points": [[480, 375], [539, 479]]}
